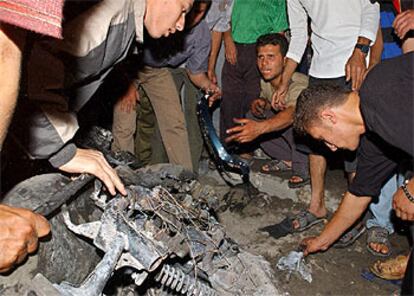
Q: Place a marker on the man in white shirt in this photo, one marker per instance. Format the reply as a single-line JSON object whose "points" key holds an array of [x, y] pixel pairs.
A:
{"points": [[342, 31]]}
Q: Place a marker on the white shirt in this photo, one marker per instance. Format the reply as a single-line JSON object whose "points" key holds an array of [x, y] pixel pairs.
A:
{"points": [[336, 26]]}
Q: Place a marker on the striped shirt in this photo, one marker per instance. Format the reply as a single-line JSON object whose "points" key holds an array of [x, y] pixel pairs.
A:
{"points": [[41, 16]]}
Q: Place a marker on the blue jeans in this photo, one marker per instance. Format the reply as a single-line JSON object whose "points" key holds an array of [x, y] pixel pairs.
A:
{"points": [[381, 210]]}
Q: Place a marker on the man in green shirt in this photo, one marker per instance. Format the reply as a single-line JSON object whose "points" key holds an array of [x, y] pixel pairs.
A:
{"points": [[241, 79]]}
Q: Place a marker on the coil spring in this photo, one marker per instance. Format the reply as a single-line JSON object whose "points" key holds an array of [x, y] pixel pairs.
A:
{"points": [[178, 281]]}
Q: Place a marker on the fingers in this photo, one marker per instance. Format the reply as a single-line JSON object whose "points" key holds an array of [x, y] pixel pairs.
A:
{"points": [[38, 222], [240, 138], [402, 23], [347, 72], [19, 230], [109, 177], [356, 74], [231, 57], [231, 138], [235, 129], [93, 162]]}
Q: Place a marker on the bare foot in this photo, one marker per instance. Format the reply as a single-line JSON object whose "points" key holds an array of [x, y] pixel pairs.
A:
{"points": [[379, 248]]}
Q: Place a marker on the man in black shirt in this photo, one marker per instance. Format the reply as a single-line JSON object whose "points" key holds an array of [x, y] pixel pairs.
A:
{"points": [[379, 123]]}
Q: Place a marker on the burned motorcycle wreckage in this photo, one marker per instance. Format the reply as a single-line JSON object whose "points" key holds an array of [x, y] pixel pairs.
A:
{"points": [[161, 239]]}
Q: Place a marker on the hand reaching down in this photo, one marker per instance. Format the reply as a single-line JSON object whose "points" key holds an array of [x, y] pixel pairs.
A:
{"points": [[93, 162]]}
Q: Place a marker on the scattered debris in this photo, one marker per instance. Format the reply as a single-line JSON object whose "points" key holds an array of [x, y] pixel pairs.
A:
{"points": [[295, 262]]}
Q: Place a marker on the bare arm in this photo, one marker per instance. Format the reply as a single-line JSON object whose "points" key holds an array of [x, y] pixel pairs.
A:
{"points": [[356, 66], [376, 50], [350, 209], [279, 96], [216, 38], [230, 48], [247, 129], [11, 45], [202, 81]]}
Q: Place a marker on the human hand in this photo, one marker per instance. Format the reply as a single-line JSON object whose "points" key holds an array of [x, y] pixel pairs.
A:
{"points": [[93, 162], [246, 131], [211, 74], [403, 23], [19, 233], [230, 51], [355, 69], [215, 93], [278, 101], [312, 245], [404, 208], [259, 106], [278, 97], [129, 100]]}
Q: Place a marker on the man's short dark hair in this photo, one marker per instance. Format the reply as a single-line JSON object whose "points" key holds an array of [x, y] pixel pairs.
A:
{"points": [[273, 39], [312, 100]]}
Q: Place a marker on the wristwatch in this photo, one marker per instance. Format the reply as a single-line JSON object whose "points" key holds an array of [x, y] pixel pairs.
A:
{"points": [[406, 192], [362, 47]]}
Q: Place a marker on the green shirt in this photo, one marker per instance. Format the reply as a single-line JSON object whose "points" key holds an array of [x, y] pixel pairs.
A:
{"points": [[252, 18]]}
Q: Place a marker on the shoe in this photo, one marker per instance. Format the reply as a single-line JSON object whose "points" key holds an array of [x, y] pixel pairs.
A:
{"points": [[378, 235], [275, 166], [390, 269], [351, 236], [305, 220]]}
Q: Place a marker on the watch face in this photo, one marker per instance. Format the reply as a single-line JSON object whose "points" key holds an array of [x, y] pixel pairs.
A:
{"points": [[364, 48]]}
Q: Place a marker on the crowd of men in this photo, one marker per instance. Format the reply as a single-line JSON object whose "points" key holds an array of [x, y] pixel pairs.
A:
{"points": [[300, 78]]}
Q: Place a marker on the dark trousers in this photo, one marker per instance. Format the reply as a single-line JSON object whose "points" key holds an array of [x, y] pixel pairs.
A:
{"points": [[281, 145], [407, 287], [240, 86]]}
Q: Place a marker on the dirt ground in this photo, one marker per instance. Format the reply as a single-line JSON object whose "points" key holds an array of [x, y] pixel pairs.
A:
{"points": [[334, 272]]}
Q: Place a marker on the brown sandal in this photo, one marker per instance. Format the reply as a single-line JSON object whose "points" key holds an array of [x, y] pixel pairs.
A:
{"points": [[391, 269]]}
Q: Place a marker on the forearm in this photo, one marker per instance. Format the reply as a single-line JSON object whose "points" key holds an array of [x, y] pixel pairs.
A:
{"points": [[227, 37], [349, 211], [216, 38], [11, 45], [280, 121], [289, 69], [200, 80]]}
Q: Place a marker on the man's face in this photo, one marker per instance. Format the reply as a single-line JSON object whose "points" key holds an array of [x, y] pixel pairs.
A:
{"points": [[165, 17], [270, 61], [334, 132]]}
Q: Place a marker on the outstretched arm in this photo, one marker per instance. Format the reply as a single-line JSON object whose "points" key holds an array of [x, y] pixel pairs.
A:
{"points": [[350, 209]]}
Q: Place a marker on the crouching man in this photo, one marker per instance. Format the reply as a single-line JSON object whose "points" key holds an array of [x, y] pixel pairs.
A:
{"points": [[379, 125], [272, 125]]}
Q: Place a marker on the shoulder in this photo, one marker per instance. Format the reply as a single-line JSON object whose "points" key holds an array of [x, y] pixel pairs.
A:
{"points": [[297, 84]]}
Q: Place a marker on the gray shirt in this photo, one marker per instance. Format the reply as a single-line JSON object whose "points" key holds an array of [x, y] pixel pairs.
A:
{"points": [[190, 47], [219, 15]]}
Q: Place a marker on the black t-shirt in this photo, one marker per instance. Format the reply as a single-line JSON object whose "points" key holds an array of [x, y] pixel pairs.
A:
{"points": [[387, 106]]}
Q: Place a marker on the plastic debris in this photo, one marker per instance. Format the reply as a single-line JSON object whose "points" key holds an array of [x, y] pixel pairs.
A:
{"points": [[295, 262]]}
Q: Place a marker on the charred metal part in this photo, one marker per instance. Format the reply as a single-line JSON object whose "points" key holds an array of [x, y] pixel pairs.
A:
{"points": [[223, 160], [100, 139], [55, 190], [178, 281], [163, 237], [96, 281]]}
